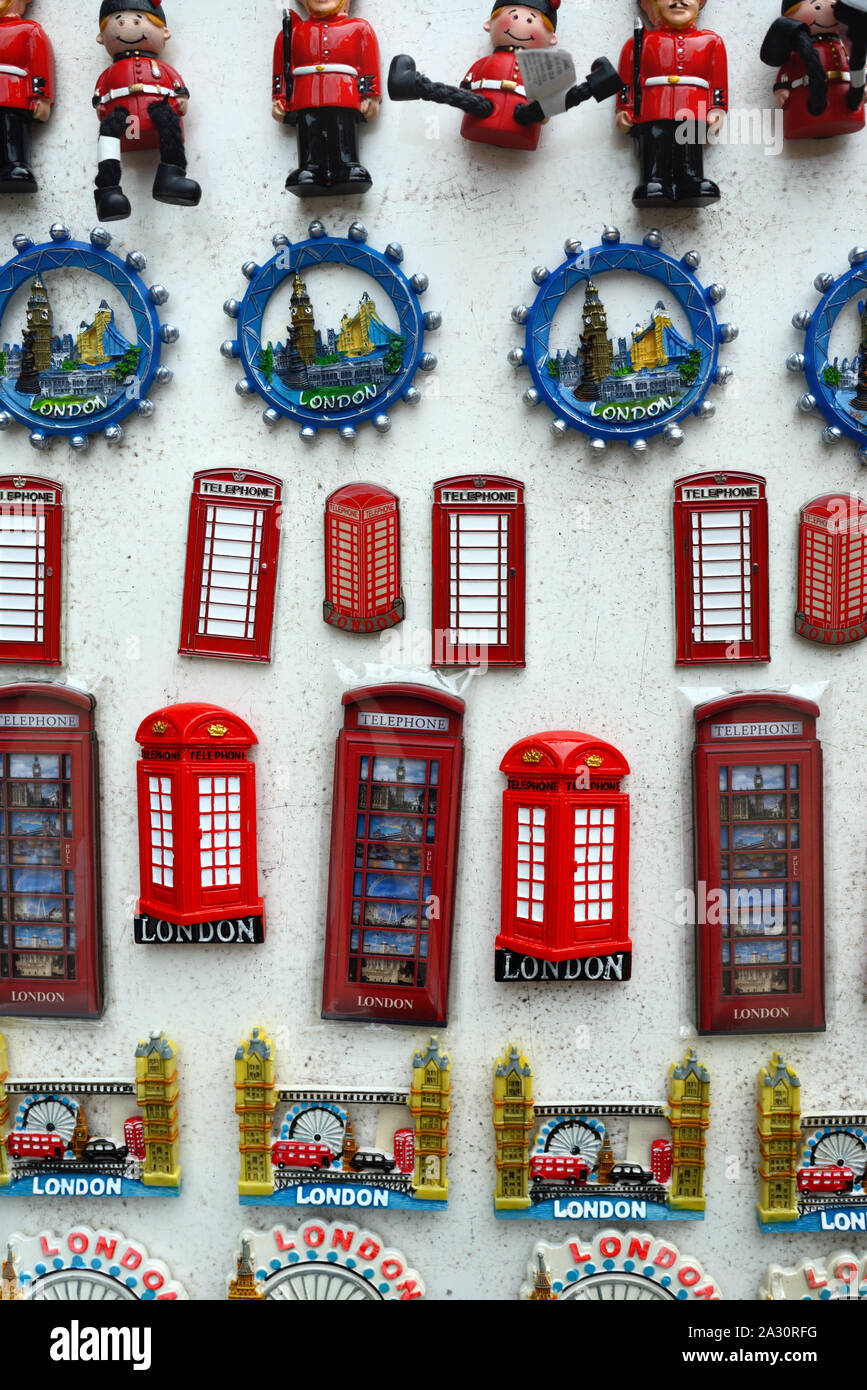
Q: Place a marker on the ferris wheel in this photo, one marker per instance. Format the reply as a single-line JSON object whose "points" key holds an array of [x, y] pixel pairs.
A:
{"points": [[318, 1124], [320, 1283], [49, 1114], [576, 1137], [842, 1147], [77, 1285], [617, 1287]]}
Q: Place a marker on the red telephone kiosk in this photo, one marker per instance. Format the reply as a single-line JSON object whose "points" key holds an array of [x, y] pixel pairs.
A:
{"points": [[564, 911], [197, 829], [50, 952], [394, 841], [362, 559], [758, 838]]}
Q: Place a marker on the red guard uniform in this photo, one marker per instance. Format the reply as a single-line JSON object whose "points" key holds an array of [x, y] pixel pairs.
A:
{"points": [[335, 62], [498, 77], [683, 73], [135, 81], [837, 118], [26, 65]]}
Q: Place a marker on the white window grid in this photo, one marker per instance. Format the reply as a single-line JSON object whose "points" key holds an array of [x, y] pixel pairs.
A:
{"points": [[162, 833], [594, 864], [230, 572], [22, 577], [220, 831], [721, 576], [532, 843], [479, 578]]}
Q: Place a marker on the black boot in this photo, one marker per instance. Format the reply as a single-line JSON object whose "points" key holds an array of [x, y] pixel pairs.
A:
{"points": [[16, 176], [403, 78], [112, 204], [171, 185]]}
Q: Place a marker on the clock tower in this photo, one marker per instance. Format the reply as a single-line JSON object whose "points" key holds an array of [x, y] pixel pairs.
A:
{"points": [[302, 321], [40, 323]]}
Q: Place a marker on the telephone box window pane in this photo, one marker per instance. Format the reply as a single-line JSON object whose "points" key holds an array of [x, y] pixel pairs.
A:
{"points": [[478, 562], [756, 778], [22, 578], [721, 576], [230, 568], [162, 831], [594, 865], [400, 770], [530, 869]]}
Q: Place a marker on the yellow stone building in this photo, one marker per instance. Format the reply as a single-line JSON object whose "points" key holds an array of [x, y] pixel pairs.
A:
{"points": [[648, 344], [514, 1123], [303, 320], [354, 339], [254, 1105], [40, 322], [9, 1287], [5, 1176], [243, 1288], [89, 343], [156, 1088], [430, 1104], [688, 1114], [543, 1288], [779, 1129]]}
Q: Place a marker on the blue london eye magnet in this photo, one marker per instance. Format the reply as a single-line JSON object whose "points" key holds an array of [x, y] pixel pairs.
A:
{"points": [[834, 359]]}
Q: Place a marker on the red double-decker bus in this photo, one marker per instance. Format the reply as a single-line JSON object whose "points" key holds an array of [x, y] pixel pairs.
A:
{"points": [[563, 1167], [292, 1153]]}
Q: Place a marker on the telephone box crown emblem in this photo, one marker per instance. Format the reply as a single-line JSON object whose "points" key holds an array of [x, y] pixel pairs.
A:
{"points": [[217, 730], [159, 726], [593, 760], [532, 755]]}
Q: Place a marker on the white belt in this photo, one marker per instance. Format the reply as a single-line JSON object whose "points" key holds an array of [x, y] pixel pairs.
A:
{"points": [[137, 89], [677, 81], [8, 71], [489, 85], [340, 68], [834, 76]]}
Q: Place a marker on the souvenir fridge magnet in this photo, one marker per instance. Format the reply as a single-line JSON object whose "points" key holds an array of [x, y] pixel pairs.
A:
{"points": [[651, 379], [373, 1146], [321, 1263], [594, 1161], [326, 84], [757, 770], [819, 47], [362, 559], [63, 381], [812, 1168], [27, 91], [673, 99], [721, 568], [197, 829], [233, 543], [832, 573], [140, 102], [564, 903], [84, 1265], [324, 376], [834, 359], [497, 97], [822, 1279], [394, 841], [478, 572], [31, 538], [616, 1267], [93, 1137], [50, 900]]}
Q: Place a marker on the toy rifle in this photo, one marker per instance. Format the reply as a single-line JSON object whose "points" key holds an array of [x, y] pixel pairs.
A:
{"points": [[288, 79], [637, 48]]}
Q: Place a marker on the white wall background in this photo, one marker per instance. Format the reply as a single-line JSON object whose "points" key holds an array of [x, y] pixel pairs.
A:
{"points": [[599, 619]]}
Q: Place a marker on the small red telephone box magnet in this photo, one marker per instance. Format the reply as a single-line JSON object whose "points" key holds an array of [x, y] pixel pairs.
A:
{"points": [[232, 548], [832, 570], [564, 911], [721, 568], [394, 840], [759, 856], [50, 949], [362, 559], [197, 829], [31, 531], [478, 572]]}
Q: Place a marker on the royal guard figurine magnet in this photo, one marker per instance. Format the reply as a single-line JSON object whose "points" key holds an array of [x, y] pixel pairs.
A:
{"points": [[26, 92], [140, 102], [674, 82], [498, 108], [819, 48], [326, 83]]}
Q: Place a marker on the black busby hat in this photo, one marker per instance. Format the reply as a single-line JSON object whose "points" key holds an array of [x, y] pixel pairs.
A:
{"points": [[548, 8], [110, 7]]}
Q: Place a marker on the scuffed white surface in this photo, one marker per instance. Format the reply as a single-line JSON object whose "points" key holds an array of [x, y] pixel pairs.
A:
{"points": [[600, 639]]}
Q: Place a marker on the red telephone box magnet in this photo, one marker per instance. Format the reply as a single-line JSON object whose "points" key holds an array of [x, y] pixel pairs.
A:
{"points": [[50, 948], [362, 559], [197, 829], [478, 572], [721, 568], [31, 531], [564, 911], [832, 570], [758, 837], [232, 547], [394, 840]]}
